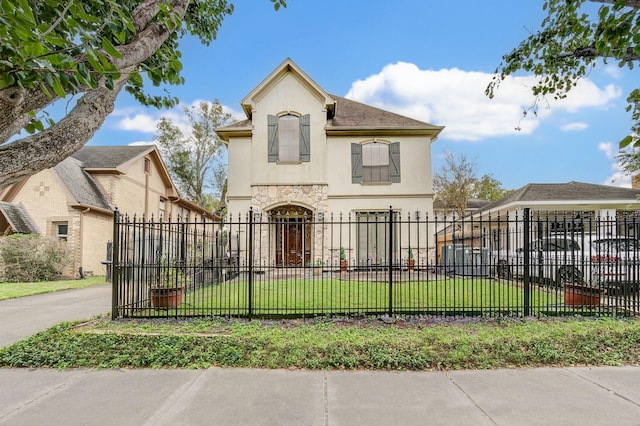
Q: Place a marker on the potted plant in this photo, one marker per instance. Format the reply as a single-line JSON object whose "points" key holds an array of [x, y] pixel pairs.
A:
{"points": [[411, 262], [343, 260], [317, 267], [581, 295], [168, 289]]}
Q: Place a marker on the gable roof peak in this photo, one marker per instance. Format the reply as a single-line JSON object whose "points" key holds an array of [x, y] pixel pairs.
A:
{"points": [[286, 67]]}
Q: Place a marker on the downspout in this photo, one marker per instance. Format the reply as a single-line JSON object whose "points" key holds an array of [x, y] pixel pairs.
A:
{"points": [[82, 213]]}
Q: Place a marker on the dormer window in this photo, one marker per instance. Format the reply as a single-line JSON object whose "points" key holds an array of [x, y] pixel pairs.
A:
{"points": [[289, 138]]}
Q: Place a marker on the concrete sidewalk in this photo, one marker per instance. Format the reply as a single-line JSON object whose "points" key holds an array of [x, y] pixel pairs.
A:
{"points": [[546, 396], [567, 396]]}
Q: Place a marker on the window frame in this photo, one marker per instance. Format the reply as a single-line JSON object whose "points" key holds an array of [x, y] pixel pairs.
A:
{"points": [[273, 139], [61, 236], [357, 168]]}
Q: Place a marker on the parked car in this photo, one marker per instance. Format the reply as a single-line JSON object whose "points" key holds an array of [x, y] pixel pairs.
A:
{"points": [[553, 260], [615, 264]]}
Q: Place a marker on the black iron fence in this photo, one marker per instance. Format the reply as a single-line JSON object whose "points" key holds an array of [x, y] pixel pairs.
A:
{"points": [[384, 263]]}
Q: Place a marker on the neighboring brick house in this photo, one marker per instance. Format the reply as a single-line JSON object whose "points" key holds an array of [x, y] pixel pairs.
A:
{"points": [[75, 200], [304, 153]]}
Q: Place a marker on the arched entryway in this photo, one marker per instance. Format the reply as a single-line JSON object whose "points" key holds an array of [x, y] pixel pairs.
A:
{"points": [[292, 229]]}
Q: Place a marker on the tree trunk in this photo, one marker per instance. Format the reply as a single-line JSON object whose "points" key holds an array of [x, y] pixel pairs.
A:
{"points": [[29, 155]]}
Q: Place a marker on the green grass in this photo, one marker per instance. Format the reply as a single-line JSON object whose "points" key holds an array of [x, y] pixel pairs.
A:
{"points": [[303, 296], [337, 343], [13, 290]]}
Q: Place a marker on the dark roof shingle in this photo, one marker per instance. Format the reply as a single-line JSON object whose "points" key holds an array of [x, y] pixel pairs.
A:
{"points": [[571, 191], [81, 184], [18, 218], [109, 157]]}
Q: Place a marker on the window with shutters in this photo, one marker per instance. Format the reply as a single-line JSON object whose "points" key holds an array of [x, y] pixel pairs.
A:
{"points": [[289, 138], [375, 162]]}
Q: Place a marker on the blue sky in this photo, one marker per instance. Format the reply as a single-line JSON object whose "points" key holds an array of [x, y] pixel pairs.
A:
{"points": [[427, 60]]}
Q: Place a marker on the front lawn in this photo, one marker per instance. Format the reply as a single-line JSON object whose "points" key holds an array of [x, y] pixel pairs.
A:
{"points": [[13, 290], [329, 295]]}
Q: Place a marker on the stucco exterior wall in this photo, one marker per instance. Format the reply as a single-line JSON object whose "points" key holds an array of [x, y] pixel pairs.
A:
{"points": [[290, 95]]}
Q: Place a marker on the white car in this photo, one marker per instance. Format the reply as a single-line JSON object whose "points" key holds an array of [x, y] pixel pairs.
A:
{"points": [[553, 260], [615, 264]]}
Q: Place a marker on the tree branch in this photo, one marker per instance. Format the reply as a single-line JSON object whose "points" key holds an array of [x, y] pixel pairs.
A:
{"points": [[43, 150], [629, 3], [591, 52]]}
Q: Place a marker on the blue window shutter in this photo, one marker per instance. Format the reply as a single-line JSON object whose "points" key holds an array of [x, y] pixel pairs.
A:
{"points": [[394, 162], [356, 163], [305, 138], [272, 134]]}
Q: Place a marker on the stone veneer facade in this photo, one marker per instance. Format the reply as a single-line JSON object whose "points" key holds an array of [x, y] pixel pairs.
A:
{"points": [[266, 197], [311, 197]]}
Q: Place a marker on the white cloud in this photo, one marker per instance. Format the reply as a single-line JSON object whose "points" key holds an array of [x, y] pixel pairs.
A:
{"points": [[137, 143], [609, 149], [139, 122], [456, 99], [618, 176], [146, 120], [613, 71], [574, 127]]}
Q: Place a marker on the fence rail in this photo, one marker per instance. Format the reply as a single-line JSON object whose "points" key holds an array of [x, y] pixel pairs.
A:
{"points": [[385, 263]]}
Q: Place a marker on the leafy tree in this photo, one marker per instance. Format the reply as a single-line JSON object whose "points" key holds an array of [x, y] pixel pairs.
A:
{"points": [[572, 40], [456, 182], [89, 49], [488, 188], [193, 155]]}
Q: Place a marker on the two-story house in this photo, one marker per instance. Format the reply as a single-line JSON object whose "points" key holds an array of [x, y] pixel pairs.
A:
{"points": [[75, 201], [304, 154]]}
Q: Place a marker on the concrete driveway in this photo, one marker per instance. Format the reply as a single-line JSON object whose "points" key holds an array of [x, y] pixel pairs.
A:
{"points": [[24, 316]]}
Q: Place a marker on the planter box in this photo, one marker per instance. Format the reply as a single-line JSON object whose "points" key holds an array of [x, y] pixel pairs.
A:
{"points": [[166, 298], [580, 295]]}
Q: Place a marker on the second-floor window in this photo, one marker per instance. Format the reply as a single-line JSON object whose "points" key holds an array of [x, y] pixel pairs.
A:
{"points": [[289, 138], [375, 162]]}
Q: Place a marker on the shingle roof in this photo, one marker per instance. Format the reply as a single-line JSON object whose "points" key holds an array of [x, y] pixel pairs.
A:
{"points": [[109, 157], [350, 113], [571, 191], [18, 218], [352, 116], [81, 184]]}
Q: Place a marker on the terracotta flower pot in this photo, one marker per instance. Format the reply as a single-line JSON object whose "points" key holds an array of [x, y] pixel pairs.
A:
{"points": [[166, 297], [411, 263], [343, 265], [580, 295]]}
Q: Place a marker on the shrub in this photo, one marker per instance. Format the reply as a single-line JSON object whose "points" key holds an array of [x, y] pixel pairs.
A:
{"points": [[30, 258]]}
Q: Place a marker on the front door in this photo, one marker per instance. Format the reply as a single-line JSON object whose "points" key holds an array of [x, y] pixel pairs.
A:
{"points": [[292, 235]]}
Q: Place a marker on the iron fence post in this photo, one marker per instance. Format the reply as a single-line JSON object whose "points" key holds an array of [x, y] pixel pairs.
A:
{"points": [[390, 258], [527, 262], [250, 266], [115, 265]]}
